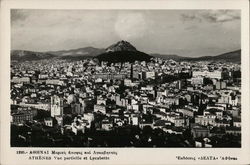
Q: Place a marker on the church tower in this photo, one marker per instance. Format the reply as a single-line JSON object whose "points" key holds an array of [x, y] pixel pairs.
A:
{"points": [[56, 106]]}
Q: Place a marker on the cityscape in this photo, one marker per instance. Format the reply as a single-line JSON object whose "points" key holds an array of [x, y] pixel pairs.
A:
{"points": [[123, 97]]}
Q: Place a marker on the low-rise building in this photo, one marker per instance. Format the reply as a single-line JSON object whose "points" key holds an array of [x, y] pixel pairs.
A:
{"points": [[199, 131]]}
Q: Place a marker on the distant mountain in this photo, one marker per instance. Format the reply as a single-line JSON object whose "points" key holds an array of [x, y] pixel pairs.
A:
{"points": [[86, 52], [72, 54], [24, 55], [121, 46], [123, 51], [234, 56]]}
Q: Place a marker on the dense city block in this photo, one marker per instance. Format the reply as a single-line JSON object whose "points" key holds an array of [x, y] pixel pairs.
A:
{"points": [[155, 103]]}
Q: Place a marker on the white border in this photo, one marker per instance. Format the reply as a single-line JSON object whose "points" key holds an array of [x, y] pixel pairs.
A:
{"points": [[126, 155]]}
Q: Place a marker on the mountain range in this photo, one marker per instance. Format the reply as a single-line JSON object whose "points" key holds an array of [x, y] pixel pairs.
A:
{"points": [[233, 56], [121, 51], [86, 52], [25, 55]]}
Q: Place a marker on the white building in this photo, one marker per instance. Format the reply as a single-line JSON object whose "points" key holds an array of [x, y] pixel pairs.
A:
{"points": [[56, 106], [48, 122], [214, 74], [100, 108]]}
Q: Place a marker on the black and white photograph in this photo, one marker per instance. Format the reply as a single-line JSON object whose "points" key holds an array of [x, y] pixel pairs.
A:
{"points": [[125, 78], [124, 82]]}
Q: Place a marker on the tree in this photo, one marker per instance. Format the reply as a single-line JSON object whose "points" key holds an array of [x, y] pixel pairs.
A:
{"points": [[41, 114]]}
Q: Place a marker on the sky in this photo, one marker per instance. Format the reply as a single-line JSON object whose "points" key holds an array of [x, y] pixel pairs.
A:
{"points": [[189, 33]]}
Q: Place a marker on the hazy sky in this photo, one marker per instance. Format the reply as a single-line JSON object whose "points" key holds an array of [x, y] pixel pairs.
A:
{"points": [[181, 32]]}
